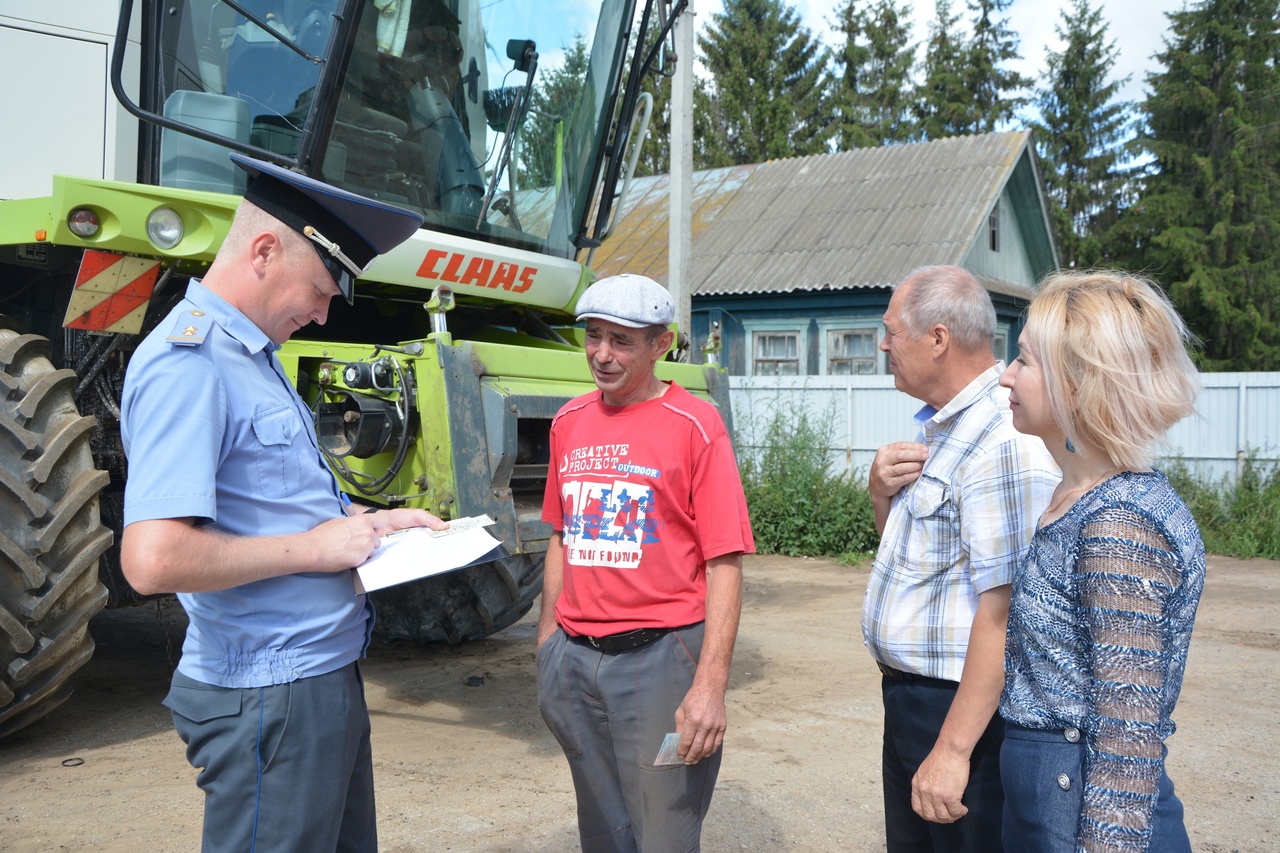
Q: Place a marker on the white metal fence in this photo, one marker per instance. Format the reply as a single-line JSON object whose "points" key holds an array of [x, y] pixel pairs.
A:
{"points": [[1239, 414]]}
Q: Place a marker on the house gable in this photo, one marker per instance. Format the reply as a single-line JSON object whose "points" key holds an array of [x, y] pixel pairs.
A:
{"points": [[1012, 244]]}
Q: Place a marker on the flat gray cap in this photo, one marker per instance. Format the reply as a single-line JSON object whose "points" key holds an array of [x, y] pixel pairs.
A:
{"points": [[628, 300]]}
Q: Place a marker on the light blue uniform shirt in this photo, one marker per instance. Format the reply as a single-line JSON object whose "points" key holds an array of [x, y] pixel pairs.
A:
{"points": [[214, 430]]}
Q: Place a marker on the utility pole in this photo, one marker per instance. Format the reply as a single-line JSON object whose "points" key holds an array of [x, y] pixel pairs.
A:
{"points": [[681, 199]]}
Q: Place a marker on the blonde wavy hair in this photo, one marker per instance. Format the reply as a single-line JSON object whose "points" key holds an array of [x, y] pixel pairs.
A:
{"points": [[1114, 354]]}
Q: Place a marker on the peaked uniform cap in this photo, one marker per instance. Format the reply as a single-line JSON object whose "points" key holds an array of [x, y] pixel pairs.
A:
{"points": [[362, 228], [629, 300]]}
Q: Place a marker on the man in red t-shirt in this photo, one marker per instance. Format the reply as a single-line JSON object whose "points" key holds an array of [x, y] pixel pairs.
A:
{"points": [[643, 582]]}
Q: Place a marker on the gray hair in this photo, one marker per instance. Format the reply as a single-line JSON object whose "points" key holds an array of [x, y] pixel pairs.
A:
{"points": [[953, 297]]}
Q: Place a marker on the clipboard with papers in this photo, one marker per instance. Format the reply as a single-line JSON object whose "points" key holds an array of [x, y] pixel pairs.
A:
{"points": [[419, 552]]}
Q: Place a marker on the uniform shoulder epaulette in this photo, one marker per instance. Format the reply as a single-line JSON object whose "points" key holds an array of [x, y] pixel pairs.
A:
{"points": [[191, 330]]}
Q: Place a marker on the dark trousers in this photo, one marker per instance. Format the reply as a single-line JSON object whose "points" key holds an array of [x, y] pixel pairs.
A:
{"points": [[914, 710], [284, 769]]}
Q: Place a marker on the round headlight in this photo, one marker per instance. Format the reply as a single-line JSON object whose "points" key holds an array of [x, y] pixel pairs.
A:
{"points": [[83, 222], [164, 227]]}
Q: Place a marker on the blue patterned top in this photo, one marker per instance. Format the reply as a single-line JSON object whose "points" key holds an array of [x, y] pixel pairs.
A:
{"points": [[1099, 627]]}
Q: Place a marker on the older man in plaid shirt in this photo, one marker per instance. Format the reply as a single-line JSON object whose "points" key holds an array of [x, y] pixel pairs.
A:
{"points": [[956, 510]]}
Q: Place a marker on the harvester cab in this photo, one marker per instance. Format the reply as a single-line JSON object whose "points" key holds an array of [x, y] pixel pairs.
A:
{"points": [[434, 389]]}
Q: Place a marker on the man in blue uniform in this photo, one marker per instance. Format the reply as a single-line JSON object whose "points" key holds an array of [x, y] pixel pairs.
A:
{"points": [[230, 505]]}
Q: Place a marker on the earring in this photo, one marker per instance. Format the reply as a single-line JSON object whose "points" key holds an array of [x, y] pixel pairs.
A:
{"points": [[1071, 448]]}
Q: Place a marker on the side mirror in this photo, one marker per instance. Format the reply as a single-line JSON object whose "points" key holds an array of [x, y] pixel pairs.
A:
{"points": [[523, 52]]}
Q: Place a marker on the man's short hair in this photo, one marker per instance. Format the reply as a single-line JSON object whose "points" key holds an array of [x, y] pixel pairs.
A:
{"points": [[250, 221], [1114, 354], [950, 296], [652, 333]]}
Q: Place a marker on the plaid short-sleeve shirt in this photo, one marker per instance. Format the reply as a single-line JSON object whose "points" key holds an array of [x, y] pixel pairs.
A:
{"points": [[956, 532]]}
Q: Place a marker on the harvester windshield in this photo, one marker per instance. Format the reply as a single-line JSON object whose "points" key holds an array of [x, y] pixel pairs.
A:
{"points": [[445, 106]]}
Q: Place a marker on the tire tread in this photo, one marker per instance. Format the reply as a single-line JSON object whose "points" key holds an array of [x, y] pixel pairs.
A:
{"points": [[51, 535]]}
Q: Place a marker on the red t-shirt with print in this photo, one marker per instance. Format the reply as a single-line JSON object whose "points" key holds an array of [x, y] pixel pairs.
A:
{"points": [[644, 494]]}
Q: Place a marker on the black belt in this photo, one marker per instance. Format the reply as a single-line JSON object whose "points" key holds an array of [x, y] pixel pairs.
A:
{"points": [[624, 642], [897, 674], [900, 676]]}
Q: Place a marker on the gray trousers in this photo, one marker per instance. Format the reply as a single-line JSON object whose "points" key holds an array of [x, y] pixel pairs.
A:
{"points": [[610, 713], [284, 769]]}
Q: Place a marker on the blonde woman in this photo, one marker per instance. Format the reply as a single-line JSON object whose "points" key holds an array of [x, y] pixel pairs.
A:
{"points": [[1103, 605]]}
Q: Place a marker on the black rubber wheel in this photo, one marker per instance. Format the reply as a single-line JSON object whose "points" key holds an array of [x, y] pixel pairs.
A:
{"points": [[460, 606], [50, 533]]}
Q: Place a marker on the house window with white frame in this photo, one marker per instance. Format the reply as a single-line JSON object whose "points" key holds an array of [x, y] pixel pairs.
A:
{"points": [[993, 227], [851, 352], [776, 353]]}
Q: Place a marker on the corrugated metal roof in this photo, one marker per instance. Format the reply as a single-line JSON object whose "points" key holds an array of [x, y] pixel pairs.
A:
{"points": [[862, 218]]}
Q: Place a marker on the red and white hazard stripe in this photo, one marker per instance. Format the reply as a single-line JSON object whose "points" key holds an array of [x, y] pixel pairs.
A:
{"points": [[112, 292]]}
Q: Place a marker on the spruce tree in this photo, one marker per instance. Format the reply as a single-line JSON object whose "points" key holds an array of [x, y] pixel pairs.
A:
{"points": [[770, 89], [1081, 131], [991, 84], [943, 104], [708, 150], [1207, 224], [873, 70]]}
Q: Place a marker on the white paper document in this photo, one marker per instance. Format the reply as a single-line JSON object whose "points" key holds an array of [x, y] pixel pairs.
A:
{"points": [[420, 552]]}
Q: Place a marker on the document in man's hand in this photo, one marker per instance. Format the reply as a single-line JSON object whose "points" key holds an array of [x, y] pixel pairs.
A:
{"points": [[418, 552]]}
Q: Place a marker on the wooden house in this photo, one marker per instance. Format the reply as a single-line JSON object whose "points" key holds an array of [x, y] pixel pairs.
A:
{"points": [[793, 261]]}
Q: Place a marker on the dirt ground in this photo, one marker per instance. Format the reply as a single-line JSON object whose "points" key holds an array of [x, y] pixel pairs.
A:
{"points": [[463, 766]]}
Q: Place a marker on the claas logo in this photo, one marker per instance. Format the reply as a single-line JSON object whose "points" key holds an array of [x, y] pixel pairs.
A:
{"points": [[478, 271]]}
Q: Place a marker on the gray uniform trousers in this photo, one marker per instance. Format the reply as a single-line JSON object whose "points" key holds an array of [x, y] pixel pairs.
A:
{"points": [[284, 769], [610, 713]]}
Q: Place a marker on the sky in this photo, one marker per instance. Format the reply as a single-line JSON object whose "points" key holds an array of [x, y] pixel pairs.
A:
{"points": [[1136, 26]]}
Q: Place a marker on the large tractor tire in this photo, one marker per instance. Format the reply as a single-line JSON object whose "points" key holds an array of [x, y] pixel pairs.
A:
{"points": [[50, 533], [460, 606]]}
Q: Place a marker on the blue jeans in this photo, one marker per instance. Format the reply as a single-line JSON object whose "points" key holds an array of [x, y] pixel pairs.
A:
{"points": [[1043, 775]]}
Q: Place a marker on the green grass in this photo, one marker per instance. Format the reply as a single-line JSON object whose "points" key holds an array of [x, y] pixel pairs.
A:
{"points": [[1239, 518]]}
